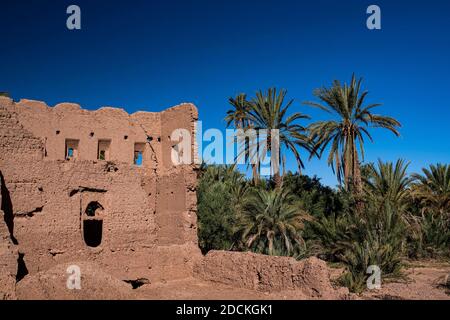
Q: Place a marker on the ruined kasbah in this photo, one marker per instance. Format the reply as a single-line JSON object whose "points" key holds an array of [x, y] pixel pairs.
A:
{"points": [[93, 207]]}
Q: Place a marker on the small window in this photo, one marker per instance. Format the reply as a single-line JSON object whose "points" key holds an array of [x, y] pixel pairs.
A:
{"points": [[103, 149], [138, 158], [71, 149]]}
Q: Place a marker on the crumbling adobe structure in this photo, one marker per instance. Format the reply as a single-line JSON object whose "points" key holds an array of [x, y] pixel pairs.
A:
{"points": [[99, 190], [98, 186]]}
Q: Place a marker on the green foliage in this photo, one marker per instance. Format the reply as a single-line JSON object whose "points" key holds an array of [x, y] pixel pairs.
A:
{"points": [[431, 237], [216, 200], [362, 255], [388, 182], [430, 207], [266, 111], [238, 114], [4, 94], [346, 135], [375, 237], [228, 205], [303, 217], [314, 197], [435, 235], [379, 216], [270, 222], [214, 212], [378, 238], [432, 189]]}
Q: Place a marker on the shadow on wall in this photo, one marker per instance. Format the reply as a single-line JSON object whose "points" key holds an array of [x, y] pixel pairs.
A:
{"points": [[7, 208]]}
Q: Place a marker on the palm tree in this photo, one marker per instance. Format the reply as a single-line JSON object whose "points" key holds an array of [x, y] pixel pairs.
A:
{"points": [[388, 182], [268, 111], [220, 173], [432, 189], [271, 221], [240, 192], [346, 133], [238, 116]]}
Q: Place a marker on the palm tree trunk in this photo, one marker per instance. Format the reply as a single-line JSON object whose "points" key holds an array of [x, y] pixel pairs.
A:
{"points": [[357, 183], [275, 162], [255, 175], [270, 238], [357, 180], [248, 157], [255, 166], [278, 180], [347, 162]]}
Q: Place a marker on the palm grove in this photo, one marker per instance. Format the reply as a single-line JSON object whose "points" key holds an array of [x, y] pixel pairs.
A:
{"points": [[379, 215]]}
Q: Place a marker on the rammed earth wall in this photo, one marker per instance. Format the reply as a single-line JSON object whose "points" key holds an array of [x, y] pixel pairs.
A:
{"points": [[98, 186]]}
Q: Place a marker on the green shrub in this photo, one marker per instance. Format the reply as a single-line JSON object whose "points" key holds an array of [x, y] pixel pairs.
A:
{"points": [[376, 237], [431, 238], [215, 208]]}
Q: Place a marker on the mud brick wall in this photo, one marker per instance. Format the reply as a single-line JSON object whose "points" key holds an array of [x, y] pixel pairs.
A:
{"points": [[73, 189]]}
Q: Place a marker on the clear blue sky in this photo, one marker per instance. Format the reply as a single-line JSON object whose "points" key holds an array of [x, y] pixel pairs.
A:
{"points": [[149, 55]]}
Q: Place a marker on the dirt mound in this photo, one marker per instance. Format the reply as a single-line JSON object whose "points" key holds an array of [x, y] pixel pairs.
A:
{"points": [[52, 284], [270, 274]]}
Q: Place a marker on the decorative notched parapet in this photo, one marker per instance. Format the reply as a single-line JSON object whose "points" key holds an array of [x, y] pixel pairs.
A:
{"points": [[107, 134]]}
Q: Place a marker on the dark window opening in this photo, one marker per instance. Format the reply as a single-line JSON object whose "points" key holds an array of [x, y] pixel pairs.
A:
{"points": [[58, 132], [92, 208], [103, 152], [71, 149], [125, 137], [92, 232]]}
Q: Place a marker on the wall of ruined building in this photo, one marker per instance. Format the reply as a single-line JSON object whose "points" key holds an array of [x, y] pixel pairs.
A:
{"points": [[148, 212]]}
